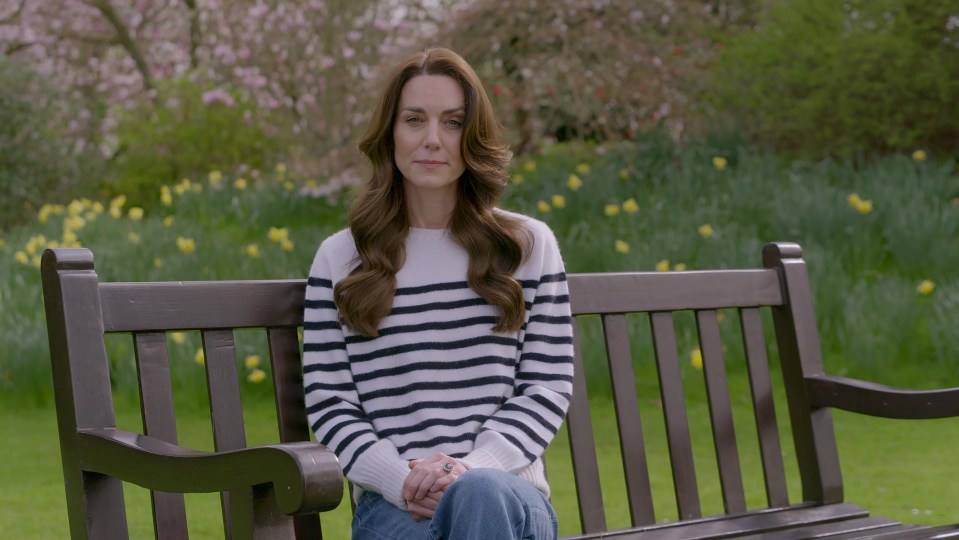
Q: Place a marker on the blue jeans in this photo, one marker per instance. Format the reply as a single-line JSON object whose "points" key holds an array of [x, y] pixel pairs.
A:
{"points": [[483, 504]]}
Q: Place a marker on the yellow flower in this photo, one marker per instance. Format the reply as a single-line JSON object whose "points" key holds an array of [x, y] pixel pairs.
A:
{"points": [[517, 179], [720, 163], [133, 237], [35, 261], [706, 230], [215, 178], [21, 257], [853, 200], [582, 168], [74, 223], [289, 186], [919, 155], [256, 376], [529, 166], [186, 245], [98, 207], [240, 183], [631, 206], [252, 250], [278, 234], [115, 212], [166, 197], [178, 337], [286, 245], [158, 262], [623, 174], [559, 201], [696, 358], [611, 210], [252, 361], [199, 357], [574, 182], [680, 267], [926, 287], [118, 201], [3, 242], [44, 214], [662, 266], [280, 169], [136, 213], [69, 236], [168, 221], [90, 215], [542, 206], [311, 184], [864, 207], [621, 247], [75, 208], [182, 187]]}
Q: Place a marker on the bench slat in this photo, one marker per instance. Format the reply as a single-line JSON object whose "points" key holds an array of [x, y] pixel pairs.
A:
{"points": [[156, 407], [633, 448], [582, 447], [672, 291], [764, 407], [289, 393], [851, 528], [720, 412], [674, 411], [192, 305]]}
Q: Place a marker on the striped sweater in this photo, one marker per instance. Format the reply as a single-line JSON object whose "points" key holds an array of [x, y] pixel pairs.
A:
{"points": [[437, 378]]}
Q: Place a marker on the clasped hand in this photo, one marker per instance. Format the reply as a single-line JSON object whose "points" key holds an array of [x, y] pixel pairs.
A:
{"points": [[426, 483]]}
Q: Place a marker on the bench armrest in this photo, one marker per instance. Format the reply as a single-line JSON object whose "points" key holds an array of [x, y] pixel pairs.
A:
{"points": [[306, 476], [880, 400]]}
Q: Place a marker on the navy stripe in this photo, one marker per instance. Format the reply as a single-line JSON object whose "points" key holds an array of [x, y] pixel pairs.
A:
{"points": [[340, 448], [552, 299], [433, 346], [553, 278], [517, 444], [552, 340], [551, 319], [323, 347], [533, 436], [422, 366], [332, 387], [423, 426], [544, 377], [458, 404], [360, 450], [546, 358], [326, 367], [435, 441], [319, 282], [448, 286], [543, 400], [337, 428], [434, 325], [328, 402], [319, 304], [532, 414], [321, 325], [347, 411], [432, 306], [436, 385]]}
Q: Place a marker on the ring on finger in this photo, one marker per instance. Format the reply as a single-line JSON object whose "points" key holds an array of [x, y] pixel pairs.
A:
{"points": [[448, 468]]}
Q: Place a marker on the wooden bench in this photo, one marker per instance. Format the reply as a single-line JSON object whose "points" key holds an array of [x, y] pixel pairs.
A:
{"points": [[263, 486]]}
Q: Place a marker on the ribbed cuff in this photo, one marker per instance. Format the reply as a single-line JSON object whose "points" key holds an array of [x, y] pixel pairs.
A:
{"points": [[381, 469], [493, 451]]}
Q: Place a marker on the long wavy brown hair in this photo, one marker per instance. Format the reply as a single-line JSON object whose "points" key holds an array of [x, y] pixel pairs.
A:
{"points": [[496, 243]]}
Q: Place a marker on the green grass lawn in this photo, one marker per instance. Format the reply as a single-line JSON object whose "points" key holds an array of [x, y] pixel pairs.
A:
{"points": [[903, 470]]}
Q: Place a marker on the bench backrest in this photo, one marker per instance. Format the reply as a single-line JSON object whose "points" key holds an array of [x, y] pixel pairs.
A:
{"points": [[81, 310]]}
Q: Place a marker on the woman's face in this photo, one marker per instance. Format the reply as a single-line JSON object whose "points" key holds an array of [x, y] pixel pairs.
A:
{"points": [[427, 132]]}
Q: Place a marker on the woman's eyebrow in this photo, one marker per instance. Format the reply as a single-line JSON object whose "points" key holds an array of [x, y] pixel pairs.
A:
{"points": [[423, 111]]}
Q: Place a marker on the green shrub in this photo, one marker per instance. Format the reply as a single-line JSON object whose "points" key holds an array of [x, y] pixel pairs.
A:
{"points": [[177, 135], [39, 158], [821, 77]]}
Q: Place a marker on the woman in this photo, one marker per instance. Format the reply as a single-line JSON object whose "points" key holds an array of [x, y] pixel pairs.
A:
{"points": [[438, 338]]}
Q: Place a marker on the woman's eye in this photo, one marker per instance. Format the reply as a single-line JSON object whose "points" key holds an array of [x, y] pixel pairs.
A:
{"points": [[413, 120], [453, 122]]}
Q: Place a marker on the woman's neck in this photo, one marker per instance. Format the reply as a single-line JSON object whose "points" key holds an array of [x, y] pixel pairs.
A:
{"points": [[430, 210]]}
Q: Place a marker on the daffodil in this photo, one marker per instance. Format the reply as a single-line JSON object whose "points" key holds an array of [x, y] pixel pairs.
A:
{"points": [[542, 206], [623, 174], [252, 361], [680, 267], [517, 179], [582, 168], [925, 287], [662, 266], [21, 257], [115, 212], [853, 199], [529, 166], [118, 201], [919, 155], [706, 230], [240, 184], [75, 208], [312, 184], [559, 201], [133, 237], [97, 207], [178, 337], [278, 234], [168, 221], [289, 186], [74, 223], [256, 376], [864, 207], [215, 178], [696, 358], [135, 213], [630, 206], [611, 210], [621, 247], [3, 243], [157, 262], [286, 245], [186, 245], [199, 357], [166, 196], [574, 182], [252, 250], [69, 236], [280, 169], [720, 163]]}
